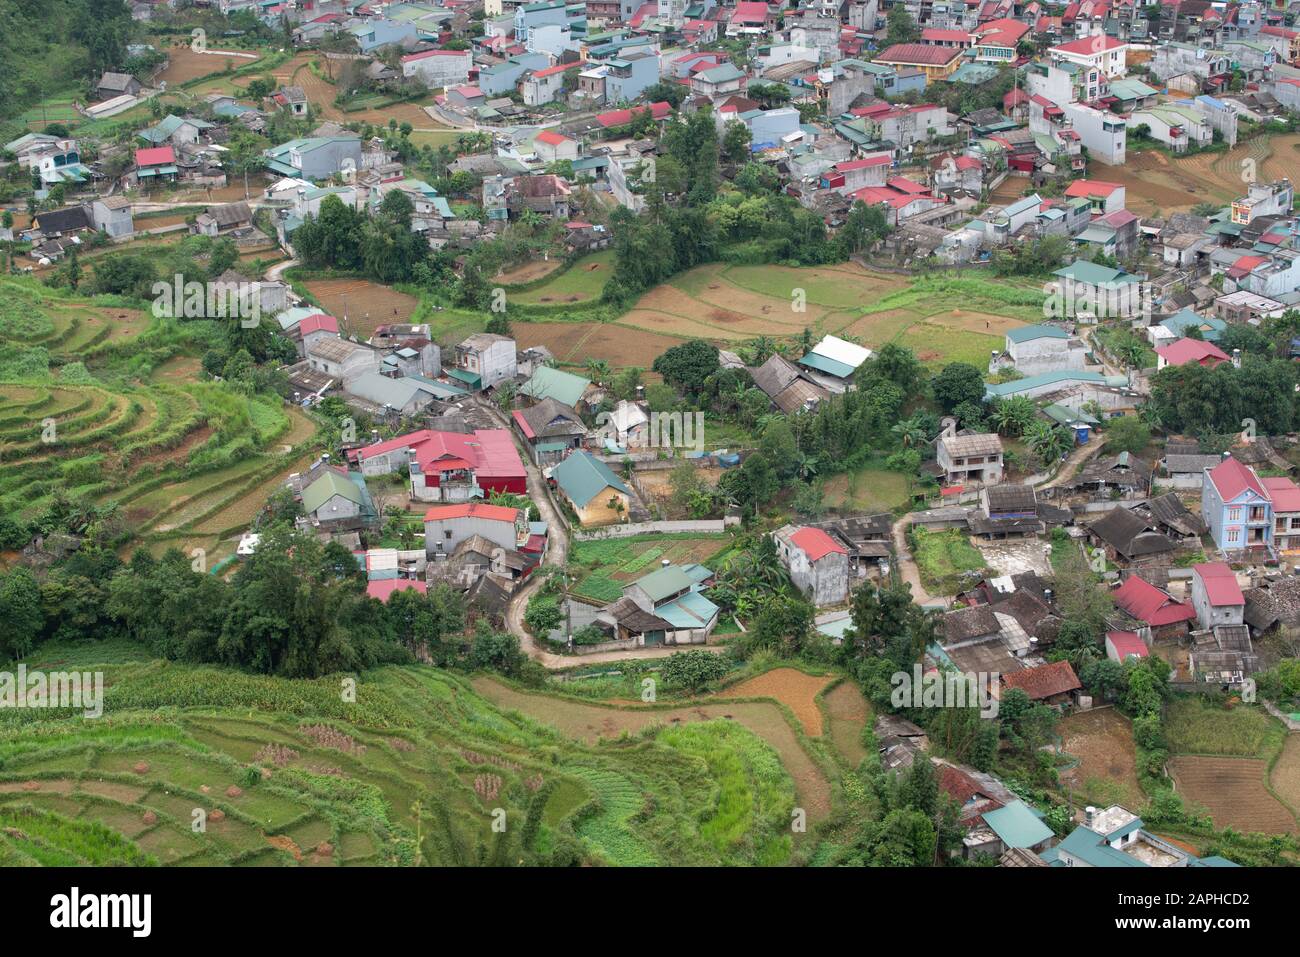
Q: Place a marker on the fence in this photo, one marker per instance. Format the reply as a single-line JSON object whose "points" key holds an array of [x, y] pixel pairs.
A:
{"points": [[711, 526]]}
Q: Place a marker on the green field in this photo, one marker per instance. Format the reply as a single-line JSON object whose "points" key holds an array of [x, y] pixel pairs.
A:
{"points": [[584, 281], [944, 558], [415, 772], [1196, 726], [601, 569]]}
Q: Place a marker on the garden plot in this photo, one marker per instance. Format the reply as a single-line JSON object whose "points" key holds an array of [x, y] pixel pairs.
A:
{"points": [[1233, 791], [604, 567], [1102, 742]]}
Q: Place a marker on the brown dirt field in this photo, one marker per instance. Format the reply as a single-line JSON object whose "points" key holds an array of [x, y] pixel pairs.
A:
{"points": [[178, 370], [366, 304], [1286, 773], [1158, 184], [1010, 189], [590, 722], [528, 272], [1103, 741], [321, 93], [1232, 790], [847, 712], [575, 342], [794, 689], [186, 64]]}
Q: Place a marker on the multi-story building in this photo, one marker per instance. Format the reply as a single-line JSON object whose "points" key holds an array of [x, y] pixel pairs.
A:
{"points": [[1237, 507]]}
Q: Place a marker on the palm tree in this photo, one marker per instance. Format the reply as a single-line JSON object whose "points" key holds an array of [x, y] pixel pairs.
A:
{"points": [[910, 432], [598, 369], [1013, 416], [1049, 442]]}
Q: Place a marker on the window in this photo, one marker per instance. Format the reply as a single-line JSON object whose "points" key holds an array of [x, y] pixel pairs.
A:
{"points": [[1234, 514]]}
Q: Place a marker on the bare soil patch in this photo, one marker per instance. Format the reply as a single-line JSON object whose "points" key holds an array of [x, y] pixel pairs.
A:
{"points": [[1102, 740], [1232, 790], [793, 688]]}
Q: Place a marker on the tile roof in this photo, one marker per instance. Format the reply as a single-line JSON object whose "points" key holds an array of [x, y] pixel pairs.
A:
{"points": [[1231, 478], [1045, 680], [1145, 602], [816, 544], [479, 510]]}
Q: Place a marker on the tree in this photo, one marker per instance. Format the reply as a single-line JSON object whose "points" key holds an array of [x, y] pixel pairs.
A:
{"points": [[735, 141], [495, 650], [20, 610], [1127, 434], [688, 365], [694, 669], [956, 383], [900, 26]]}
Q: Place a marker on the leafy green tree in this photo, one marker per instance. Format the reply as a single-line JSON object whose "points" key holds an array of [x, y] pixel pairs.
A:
{"points": [[21, 611], [958, 383], [694, 669]]}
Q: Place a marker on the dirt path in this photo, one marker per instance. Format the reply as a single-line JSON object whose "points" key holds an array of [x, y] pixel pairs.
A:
{"points": [[907, 566], [589, 722], [557, 554]]}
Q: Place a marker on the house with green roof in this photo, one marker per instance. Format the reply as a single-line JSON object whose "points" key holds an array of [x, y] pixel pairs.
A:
{"points": [[1116, 837], [596, 494], [1086, 289], [315, 157], [1048, 383], [550, 383], [665, 607], [334, 499], [1031, 350], [1177, 126], [1014, 825]]}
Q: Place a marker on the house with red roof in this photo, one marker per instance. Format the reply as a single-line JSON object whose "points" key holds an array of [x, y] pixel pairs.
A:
{"points": [[752, 19], [553, 147], [1183, 351], [1237, 507], [1163, 615], [616, 118], [439, 68], [901, 198], [155, 163], [1055, 684], [448, 466], [1216, 596], [383, 588], [996, 40], [446, 526], [1104, 197], [1097, 52], [1123, 645], [853, 175], [817, 562], [1286, 512], [936, 62]]}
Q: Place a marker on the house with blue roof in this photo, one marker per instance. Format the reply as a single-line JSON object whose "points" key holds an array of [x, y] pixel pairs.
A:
{"points": [[1181, 323], [1009, 826], [1115, 837]]}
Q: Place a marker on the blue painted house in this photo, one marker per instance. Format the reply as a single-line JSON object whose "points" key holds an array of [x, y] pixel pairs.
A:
{"points": [[1237, 507]]}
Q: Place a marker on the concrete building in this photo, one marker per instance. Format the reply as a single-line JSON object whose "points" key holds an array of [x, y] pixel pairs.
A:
{"points": [[1032, 350], [971, 459], [485, 360], [818, 564], [446, 526], [1237, 507], [1216, 596]]}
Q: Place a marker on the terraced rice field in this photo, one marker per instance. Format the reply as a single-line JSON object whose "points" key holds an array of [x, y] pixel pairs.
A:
{"points": [[284, 773], [1157, 184], [590, 723], [1232, 791]]}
